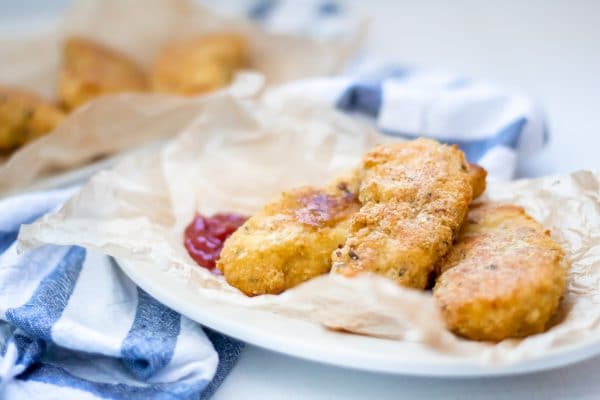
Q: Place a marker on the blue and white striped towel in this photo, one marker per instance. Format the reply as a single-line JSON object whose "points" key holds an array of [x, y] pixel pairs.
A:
{"points": [[492, 125], [73, 326]]}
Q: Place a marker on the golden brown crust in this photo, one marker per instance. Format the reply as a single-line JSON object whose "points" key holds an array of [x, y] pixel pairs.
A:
{"points": [[503, 278], [199, 64], [289, 241], [90, 69], [24, 117], [415, 196], [478, 179]]}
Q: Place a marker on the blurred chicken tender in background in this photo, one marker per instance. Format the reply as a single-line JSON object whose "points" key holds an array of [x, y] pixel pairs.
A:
{"points": [[200, 64], [90, 69], [24, 117]]}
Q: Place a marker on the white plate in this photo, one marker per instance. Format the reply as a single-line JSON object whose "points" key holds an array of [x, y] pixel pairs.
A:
{"points": [[312, 342]]}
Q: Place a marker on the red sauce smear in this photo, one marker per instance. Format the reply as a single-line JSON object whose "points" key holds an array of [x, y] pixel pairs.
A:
{"points": [[204, 237]]}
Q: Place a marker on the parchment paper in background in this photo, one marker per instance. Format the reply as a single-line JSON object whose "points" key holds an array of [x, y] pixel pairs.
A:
{"points": [[140, 29], [234, 155]]}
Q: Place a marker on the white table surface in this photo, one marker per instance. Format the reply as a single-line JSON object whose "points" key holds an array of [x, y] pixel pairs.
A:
{"points": [[548, 49]]}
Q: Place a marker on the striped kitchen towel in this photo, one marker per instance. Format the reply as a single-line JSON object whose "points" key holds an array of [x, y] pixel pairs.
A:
{"points": [[316, 18], [73, 326], [494, 126]]}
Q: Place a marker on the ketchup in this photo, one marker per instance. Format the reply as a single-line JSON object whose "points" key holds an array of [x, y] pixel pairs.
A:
{"points": [[204, 236]]}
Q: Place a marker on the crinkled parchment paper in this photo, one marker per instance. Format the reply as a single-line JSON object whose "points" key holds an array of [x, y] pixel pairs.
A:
{"points": [[139, 29], [235, 154]]}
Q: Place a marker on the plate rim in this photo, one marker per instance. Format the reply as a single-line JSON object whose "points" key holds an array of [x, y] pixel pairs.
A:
{"points": [[255, 336]]}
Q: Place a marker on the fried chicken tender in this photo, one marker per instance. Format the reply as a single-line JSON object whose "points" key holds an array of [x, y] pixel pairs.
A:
{"points": [[503, 278], [289, 241], [24, 117], [478, 179], [414, 197], [90, 69], [200, 64]]}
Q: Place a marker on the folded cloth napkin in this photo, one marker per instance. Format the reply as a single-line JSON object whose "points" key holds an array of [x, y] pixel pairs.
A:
{"points": [[73, 326], [492, 125]]}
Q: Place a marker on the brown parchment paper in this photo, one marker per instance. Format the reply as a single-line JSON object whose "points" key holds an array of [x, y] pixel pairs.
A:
{"points": [[233, 155], [139, 29]]}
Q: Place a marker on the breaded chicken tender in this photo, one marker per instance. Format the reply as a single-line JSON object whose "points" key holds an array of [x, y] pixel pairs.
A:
{"points": [[414, 197], [478, 179], [289, 241], [199, 64], [24, 117], [503, 278], [90, 69]]}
